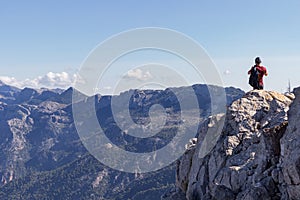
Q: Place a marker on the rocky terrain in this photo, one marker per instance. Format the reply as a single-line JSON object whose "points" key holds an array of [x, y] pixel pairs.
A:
{"points": [[42, 156], [256, 156]]}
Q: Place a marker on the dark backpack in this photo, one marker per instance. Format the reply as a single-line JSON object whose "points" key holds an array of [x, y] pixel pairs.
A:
{"points": [[253, 79]]}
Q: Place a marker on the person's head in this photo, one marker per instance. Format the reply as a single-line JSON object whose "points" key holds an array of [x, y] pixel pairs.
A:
{"points": [[257, 60]]}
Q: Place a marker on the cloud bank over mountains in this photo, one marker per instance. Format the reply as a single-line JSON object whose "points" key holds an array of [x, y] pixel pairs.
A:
{"points": [[64, 80], [138, 74], [50, 80]]}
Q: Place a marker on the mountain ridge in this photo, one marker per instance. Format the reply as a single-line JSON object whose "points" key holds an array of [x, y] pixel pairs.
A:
{"points": [[39, 138]]}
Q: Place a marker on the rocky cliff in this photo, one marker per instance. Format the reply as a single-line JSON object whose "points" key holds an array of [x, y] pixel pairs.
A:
{"points": [[257, 155]]}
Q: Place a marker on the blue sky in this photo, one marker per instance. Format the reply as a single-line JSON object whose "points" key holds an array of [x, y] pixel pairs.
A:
{"points": [[38, 37]]}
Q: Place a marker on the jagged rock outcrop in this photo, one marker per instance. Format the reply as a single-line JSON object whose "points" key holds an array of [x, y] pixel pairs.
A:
{"points": [[288, 172], [255, 157]]}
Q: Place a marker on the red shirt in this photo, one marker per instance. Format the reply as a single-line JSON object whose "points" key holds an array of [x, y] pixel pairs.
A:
{"points": [[263, 72]]}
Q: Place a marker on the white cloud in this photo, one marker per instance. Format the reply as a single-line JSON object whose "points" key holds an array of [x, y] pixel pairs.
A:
{"points": [[8, 80], [227, 72], [138, 74], [50, 80]]}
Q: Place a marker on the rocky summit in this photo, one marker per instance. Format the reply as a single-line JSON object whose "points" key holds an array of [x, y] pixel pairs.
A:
{"points": [[257, 155]]}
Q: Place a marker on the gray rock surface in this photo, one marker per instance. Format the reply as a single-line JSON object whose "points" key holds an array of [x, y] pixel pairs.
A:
{"points": [[257, 155], [288, 172]]}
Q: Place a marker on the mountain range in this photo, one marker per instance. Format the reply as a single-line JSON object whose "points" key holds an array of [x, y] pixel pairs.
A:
{"points": [[42, 156]]}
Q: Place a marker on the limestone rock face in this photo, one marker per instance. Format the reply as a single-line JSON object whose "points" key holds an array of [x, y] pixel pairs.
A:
{"points": [[288, 172], [256, 156]]}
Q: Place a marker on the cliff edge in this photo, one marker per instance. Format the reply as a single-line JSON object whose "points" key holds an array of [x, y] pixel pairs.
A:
{"points": [[257, 155]]}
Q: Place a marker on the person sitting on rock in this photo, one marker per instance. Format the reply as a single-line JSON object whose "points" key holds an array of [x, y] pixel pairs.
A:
{"points": [[257, 72]]}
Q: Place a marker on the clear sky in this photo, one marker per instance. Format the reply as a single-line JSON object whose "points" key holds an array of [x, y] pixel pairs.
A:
{"points": [[38, 37]]}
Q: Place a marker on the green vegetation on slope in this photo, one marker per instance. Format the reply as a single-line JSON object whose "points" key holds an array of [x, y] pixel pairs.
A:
{"points": [[77, 180]]}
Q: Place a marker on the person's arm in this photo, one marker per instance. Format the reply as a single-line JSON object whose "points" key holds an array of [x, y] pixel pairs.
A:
{"points": [[266, 73]]}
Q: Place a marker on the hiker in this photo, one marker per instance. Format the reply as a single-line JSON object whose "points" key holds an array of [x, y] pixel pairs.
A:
{"points": [[257, 72]]}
